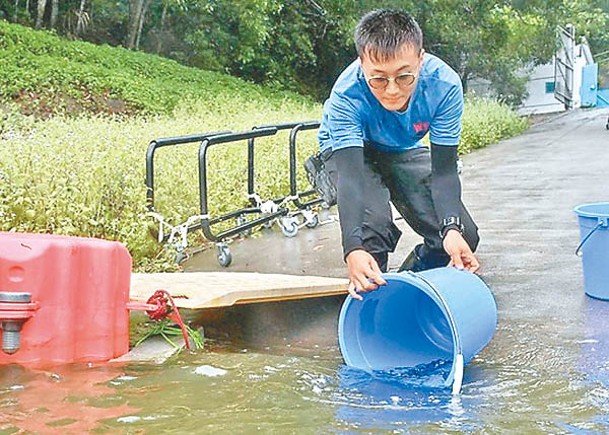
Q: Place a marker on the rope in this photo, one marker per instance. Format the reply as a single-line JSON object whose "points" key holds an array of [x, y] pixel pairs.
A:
{"points": [[256, 198], [166, 307], [162, 223], [288, 199], [269, 207]]}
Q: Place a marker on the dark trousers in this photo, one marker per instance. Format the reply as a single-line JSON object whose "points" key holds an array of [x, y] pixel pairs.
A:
{"points": [[403, 179]]}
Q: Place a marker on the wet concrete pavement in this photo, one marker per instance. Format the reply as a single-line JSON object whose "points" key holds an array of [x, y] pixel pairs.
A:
{"points": [[521, 192]]}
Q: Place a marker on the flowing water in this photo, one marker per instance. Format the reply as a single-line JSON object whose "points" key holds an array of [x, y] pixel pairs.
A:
{"points": [[533, 378]]}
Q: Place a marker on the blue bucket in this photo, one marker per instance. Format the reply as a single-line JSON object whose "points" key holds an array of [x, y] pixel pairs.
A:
{"points": [[439, 314], [594, 248]]}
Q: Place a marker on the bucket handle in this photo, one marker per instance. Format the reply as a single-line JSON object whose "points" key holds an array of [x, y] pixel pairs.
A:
{"points": [[459, 362], [602, 222]]}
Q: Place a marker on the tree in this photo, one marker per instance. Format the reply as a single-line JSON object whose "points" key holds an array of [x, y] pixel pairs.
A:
{"points": [[137, 15], [54, 13], [304, 44], [41, 7]]}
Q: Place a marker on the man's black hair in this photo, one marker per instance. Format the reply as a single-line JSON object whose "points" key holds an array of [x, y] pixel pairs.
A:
{"points": [[382, 33]]}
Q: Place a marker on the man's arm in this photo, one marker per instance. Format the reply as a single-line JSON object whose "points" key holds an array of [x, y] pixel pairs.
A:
{"points": [[446, 195], [445, 183], [350, 185], [364, 272]]}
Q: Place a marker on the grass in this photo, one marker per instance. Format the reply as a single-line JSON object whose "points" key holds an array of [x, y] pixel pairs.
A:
{"points": [[73, 140]]}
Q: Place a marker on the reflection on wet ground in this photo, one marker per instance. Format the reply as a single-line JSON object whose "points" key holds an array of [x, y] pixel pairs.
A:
{"points": [[66, 399]]}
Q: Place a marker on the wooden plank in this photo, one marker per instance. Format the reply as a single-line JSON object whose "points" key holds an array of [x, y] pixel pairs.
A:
{"points": [[223, 289]]}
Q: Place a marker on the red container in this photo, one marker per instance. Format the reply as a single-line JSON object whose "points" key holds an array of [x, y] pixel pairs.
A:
{"points": [[79, 292]]}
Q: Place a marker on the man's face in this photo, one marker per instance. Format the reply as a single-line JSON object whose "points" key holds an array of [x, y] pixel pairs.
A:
{"points": [[404, 67]]}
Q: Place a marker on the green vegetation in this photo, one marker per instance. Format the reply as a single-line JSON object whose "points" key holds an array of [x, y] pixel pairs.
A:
{"points": [[303, 44], [486, 122], [47, 74], [167, 329], [81, 172]]}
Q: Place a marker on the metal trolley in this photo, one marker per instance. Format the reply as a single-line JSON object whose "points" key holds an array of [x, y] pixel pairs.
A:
{"points": [[289, 211], [176, 235]]}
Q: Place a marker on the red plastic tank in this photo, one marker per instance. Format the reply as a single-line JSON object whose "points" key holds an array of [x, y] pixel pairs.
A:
{"points": [[79, 291]]}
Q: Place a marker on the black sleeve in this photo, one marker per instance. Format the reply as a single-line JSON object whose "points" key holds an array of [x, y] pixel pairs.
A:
{"points": [[350, 185], [445, 183]]}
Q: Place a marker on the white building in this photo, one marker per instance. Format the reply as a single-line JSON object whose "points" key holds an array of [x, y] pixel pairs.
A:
{"points": [[555, 86], [541, 89]]}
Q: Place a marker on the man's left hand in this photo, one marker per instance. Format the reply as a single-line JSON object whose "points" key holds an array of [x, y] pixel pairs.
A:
{"points": [[461, 255]]}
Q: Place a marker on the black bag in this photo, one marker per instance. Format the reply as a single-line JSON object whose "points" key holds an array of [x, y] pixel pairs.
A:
{"points": [[320, 179]]}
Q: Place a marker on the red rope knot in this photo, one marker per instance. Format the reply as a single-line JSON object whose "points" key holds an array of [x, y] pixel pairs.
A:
{"points": [[166, 307]]}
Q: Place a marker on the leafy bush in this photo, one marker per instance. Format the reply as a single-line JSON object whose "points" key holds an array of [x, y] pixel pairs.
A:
{"points": [[68, 77], [486, 121], [12, 120]]}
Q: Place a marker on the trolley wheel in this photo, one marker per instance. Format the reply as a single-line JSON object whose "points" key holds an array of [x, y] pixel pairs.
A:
{"points": [[313, 222], [289, 228], [224, 256]]}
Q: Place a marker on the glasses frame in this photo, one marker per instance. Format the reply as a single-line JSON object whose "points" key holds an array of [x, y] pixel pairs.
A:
{"points": [[394, 79]]}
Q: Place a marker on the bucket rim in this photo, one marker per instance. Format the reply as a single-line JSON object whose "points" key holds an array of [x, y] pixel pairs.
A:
{"points": [[580, 210], [414, 280]]}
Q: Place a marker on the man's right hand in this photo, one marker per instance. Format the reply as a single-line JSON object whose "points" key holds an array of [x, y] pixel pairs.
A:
{"points": [[364, 273]]}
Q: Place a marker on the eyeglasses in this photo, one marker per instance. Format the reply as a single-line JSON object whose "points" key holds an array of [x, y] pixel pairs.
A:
{"points": [[403, 81]]}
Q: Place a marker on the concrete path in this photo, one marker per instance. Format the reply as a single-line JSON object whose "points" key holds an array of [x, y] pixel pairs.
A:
{"points": [[521, 193]]}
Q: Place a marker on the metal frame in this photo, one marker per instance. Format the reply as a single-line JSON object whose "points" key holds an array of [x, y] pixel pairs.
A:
{"points": [[163, 142], [312, 125], [206, 220], [150, 153], [290, 220], [251, 189], [564, 62]]}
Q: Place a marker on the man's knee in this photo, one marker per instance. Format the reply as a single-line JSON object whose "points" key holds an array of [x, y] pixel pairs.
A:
{"points": [[423, 258]]}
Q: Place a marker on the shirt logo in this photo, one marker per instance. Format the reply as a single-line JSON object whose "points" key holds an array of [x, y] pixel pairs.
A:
{"points": [[421, 127]]}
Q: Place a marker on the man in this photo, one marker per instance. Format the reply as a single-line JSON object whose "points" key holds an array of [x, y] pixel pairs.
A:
{"points": [[380, 108]]}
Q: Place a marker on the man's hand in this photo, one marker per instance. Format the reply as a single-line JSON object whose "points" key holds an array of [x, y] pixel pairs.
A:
{"points": [[461, 256], [364, 273]]}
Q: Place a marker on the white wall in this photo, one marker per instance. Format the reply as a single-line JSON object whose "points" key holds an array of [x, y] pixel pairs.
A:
{"points": [[541, 98], [541, 101]]}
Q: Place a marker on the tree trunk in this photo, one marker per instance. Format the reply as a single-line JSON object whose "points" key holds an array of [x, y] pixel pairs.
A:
{"points": [[42, 5], [141, 24], [54, 13], [159, 39], [135, 14], [80, 23], [16, 9]]}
